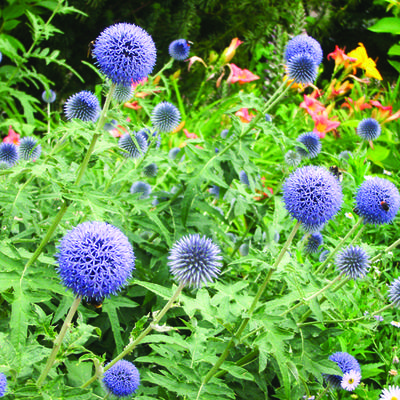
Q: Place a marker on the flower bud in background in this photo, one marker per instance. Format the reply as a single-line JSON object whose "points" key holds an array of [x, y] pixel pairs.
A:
{"points": [[8, 154], [3, 382], [179, 49], [230, 51], [394, 292], [292, 158], [165, 117], [369, 129], [131, 149], [312, 143], [141, 187], [49, 97], [83, 105], [353, 262], [29, 149], [150, 170], [123, 93], [314, 241], [122, 379]]}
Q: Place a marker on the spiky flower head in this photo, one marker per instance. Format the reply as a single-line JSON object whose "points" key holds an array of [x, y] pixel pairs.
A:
{"points": [[132, 149], [123, 93], [312, 143], [301, 68], [214, 190], [83, 105], [49, 97], [304, 45], [95, 259], [122, 379], [29, 149], [194, 260], [345, 155], [353, 262], [313, 196], [173, 153], [8, 154], [150, 170], [346, 363], [394, 292], [147, 133], [377, 201], [314, 241], [323, 256], [224, 133], [351, 380], [141, 187], [165, 117], [292, 158], [125, 53], [3, 384], [392, 393], [244, 178], [179, 49], [369, 129]]}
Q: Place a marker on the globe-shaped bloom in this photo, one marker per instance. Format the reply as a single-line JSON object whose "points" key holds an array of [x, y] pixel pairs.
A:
{"points": [[132, 149], [353, 262], [244, 178], [165, 117], [313, 196], [304, 45], [179, 49], [95, 259], [346, 363], [224, 133], [3, 384], [268, 118], [125, 53], [123, 93], [351, 380], [141, 187], [292, 158], [29, 149], [314, 241], [369, 129], [323, 256], [148, 135], [194, 260], [301, 68], [244, 249], [8, 154], [49, 97], [377, 201], [83, 105], [392, 393], [173, 153], [122, 379], [150, 170], [394, 292], [312, 143], [214, 190]]}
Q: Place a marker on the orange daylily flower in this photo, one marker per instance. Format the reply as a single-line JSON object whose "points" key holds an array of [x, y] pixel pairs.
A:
{"points": [[12, 137], [337, 89], [357, 105], [322, 124], [364, 62], [240, 75], [244, 115], [311, 104], [134, 105], [230, 51], [179, 127], [340, 57]]}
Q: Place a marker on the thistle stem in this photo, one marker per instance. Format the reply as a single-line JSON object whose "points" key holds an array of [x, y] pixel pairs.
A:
{"points": [[390, 248]]}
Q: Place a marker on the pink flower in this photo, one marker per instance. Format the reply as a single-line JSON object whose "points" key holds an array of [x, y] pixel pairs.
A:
{"points": [[322, 124], [190, 135], [13, 137], [312, 105], [340, 57], [134, 105], [241, 75], [244, 115], [141, 82]]}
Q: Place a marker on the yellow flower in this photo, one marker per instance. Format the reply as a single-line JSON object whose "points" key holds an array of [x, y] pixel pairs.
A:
{"points": [[364, 62]]}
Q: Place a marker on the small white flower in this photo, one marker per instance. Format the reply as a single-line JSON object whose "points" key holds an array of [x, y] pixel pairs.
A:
{"points": [[393, 393], [387, 172], [396, 324], [349, 215], [351, 380]]}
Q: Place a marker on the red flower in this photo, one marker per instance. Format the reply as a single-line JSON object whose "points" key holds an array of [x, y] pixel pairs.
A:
{"points": [[340, 57], [13, 137], [357, 105], [244, 115], [240, 75]]}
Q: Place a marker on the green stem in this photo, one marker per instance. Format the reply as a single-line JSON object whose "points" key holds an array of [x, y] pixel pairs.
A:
{"points": [[390, 248], [277, 95], [115, 173], [58, 341], [133, 344], [248, 358]]}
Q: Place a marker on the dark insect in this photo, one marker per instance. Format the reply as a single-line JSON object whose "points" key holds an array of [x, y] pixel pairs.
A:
{"points": [[90, 48], [356, 211], [95, 303], [335, 171], [385, 206]]}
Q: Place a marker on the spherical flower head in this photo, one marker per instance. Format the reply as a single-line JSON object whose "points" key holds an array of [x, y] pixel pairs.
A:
{"points": [[268, 118], [244, 249], [292, 158], [194, 260], [179, 49], [49, 97], [3, 384], [148, 135], [394, 292], [8, 154], [353, 262], [125, 53], [173, 153], [314, 241], [123, 93], [29, 149], [312, 143], [305, 45], [244, 178], [95, 259], [323, 256], [150, 170], [302, 69], [369, 129], [122, 379], [351, 380], [313, 196], [392, 393], [224, 133], [165, 117], [83, 105], [377, 201], [141, 187], [346, 363], [131, 148], [214, 190]]}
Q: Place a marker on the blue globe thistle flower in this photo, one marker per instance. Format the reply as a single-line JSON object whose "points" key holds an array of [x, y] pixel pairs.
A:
{"points": [[49, 97], [125, 53], [123, 93], [146, 133], [312, 143], [29, 149], [141, 187], [8, 154], [377, 201], [224, 133], [122, 379], [314, 241], [302, 69], [292, 158], [194, 260], [179, 49], [346, 363], [244, 249], [1, 56], [394, 292], [83, 105], [173, 153], [214, 190], [304, 45], [165, 117], [369, 129], [324, 255], [268, 118], [345, 155], [131, 149], [244, 178], [3, 380], [313, 196], [353, 262], [95, 259], [150, 170]]}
